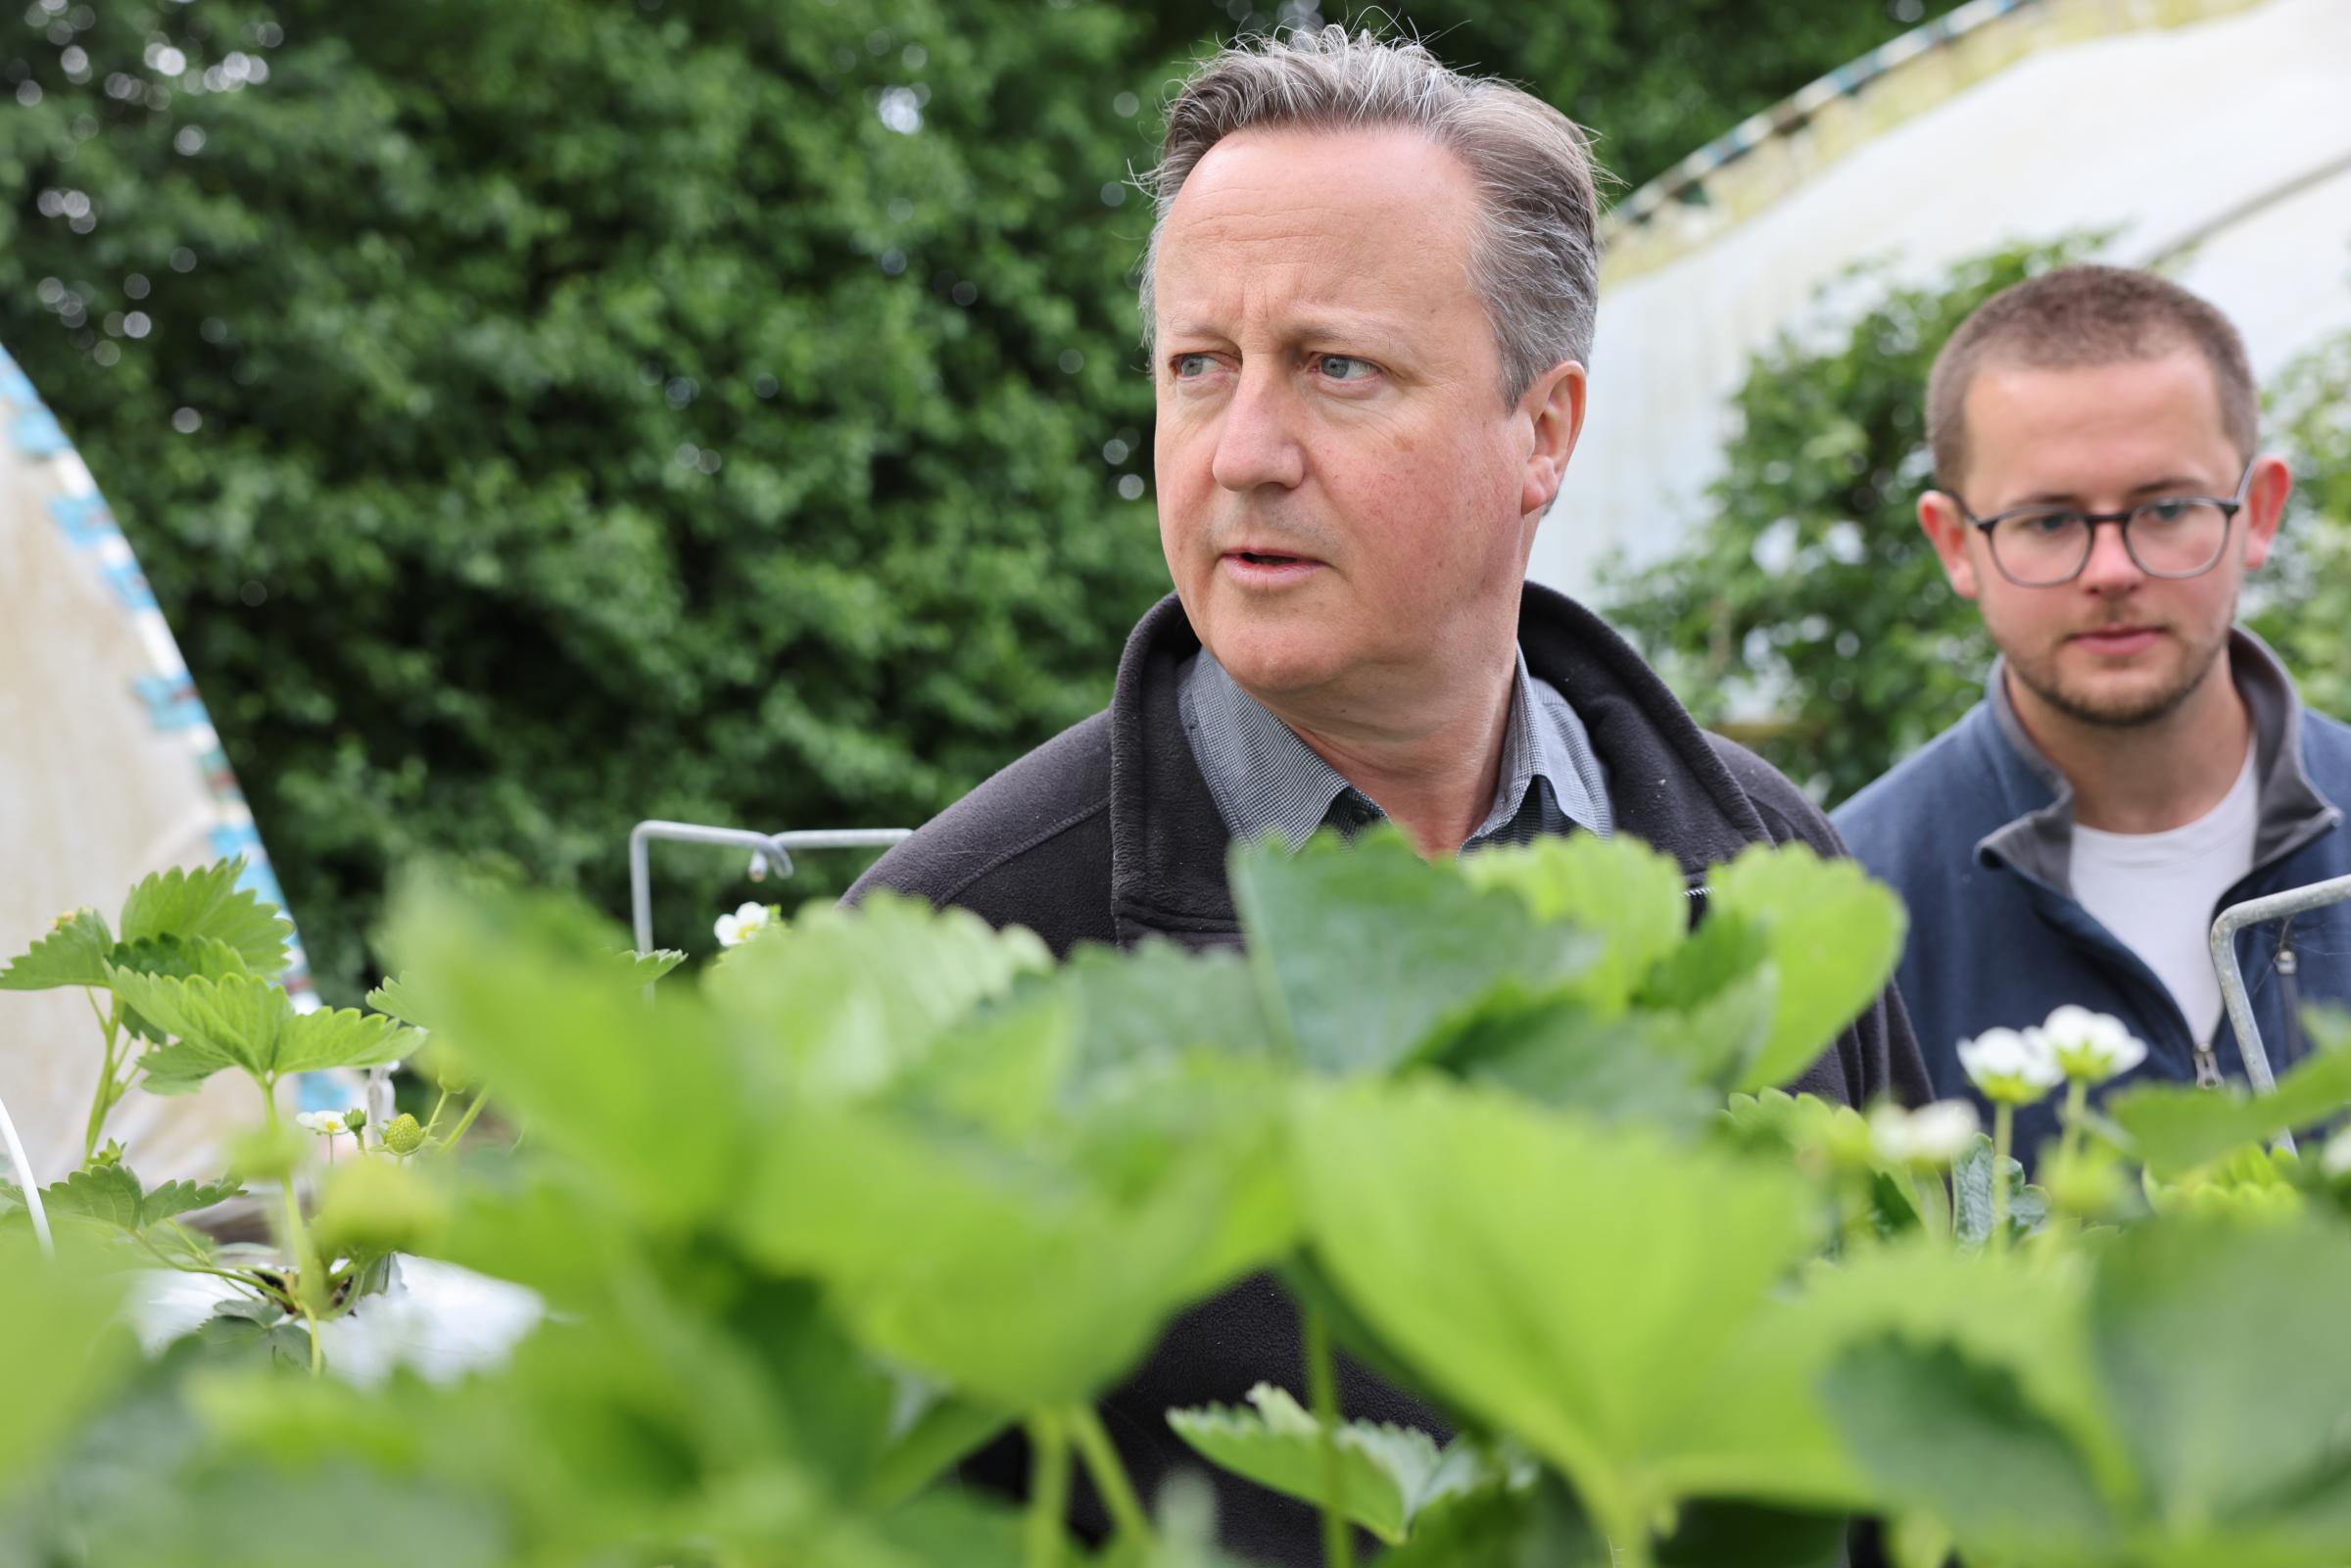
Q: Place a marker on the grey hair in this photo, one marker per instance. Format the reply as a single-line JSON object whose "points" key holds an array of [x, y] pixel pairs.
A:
{"points": [[1534, 259]]}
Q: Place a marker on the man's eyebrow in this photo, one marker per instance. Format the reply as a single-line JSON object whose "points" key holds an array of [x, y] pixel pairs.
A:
{"points": [[2176, 484], [2172, 485], [1357, 328]]}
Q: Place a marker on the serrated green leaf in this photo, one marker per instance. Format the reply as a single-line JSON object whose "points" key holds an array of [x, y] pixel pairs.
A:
{"points": [[1387, 1473], [176, 1198], [1148, 1002], [2022, 1313], [340, 1038], [2175, 1128], [396, 998], [647, 967], [647, 1095], [207, 902], [1588, 1311], [1063, 1254], [1618, 888], [1834, 937], [109, 1193], [1942, 1433], [1971, 1198], [2234, 1431], [1564, 1053], [1522, 1526], [849, 1000], [1361, 950], [240, 1021], [178, 956], [72, 953]]}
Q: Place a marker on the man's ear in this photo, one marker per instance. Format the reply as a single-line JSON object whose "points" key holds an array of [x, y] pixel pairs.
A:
{"points": [[1553, 412], [1946, 528], [2265, 506]]}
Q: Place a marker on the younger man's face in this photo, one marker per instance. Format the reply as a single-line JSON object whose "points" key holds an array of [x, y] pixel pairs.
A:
{"points": [[2115, 646]]}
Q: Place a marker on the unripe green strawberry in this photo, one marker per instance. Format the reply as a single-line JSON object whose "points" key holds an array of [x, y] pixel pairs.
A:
{"points": [[403, 1136]]}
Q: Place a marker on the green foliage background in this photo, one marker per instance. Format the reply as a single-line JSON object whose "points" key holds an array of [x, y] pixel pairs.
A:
{"points": [[596, 411], [1807, 591]]}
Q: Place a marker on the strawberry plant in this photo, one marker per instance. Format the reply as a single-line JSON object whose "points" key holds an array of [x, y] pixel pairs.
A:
{"points": [[882, 1184]]}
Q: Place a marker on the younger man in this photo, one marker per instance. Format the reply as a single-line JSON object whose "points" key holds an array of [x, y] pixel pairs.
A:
{"points": [[2138, 763]]}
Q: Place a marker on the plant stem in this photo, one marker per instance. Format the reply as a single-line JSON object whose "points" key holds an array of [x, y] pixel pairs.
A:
{"points": [[1048, 1489], [301, 1252], [480, 1099], [1626, 1533], [1110, 1475], [108, 1091], [434, 1121], [2004, 1119], [1322, 1391], [2077, 1102]]}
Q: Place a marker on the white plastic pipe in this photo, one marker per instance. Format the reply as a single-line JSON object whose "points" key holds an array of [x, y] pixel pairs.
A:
{"points": [[26, 1187]]}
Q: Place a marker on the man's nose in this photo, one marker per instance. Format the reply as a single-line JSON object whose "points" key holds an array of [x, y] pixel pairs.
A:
{"points": [[1257, 439], [2110, 568]]}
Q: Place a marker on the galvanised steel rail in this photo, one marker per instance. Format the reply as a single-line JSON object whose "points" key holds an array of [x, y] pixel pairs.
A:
{"points": [[2235, 918], [769, 852]]}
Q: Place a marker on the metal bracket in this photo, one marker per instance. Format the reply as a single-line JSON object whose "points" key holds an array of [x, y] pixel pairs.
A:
{"points": [[770, 852], [2235, 918]]}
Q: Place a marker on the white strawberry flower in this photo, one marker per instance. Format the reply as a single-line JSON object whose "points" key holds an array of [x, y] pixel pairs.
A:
{"points": [[746, 922], [328, 1125], [2011, 1067], [2336, 1162], [1931, 1135], [2091, 1047]]}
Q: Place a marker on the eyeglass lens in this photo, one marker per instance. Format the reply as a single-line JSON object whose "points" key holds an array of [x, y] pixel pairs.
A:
{"points": [[2172, 537]]}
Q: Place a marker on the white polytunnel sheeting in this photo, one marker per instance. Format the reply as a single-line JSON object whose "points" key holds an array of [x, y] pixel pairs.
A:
{"points": [[108, 770], [2212, 136]]}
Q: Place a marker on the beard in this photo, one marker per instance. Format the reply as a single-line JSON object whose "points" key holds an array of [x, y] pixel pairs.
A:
{"points": [[2127, 709]]}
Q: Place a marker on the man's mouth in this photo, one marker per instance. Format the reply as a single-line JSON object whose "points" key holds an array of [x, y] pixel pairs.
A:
{"points": [[1268, 568], [2117, 640]]}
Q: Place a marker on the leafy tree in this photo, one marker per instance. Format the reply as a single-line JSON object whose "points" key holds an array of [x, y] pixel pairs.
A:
{"points": [[1808, 616], [2303, 600], [1806, 591], [540, 415]]}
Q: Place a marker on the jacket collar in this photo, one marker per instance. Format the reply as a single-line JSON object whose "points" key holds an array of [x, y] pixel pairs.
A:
{"points": [[2291, 809], [1666, 785]]}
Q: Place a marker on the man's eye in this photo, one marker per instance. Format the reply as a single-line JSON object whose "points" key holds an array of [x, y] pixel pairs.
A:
{"points": [[1346, 367], [1186, 366]]}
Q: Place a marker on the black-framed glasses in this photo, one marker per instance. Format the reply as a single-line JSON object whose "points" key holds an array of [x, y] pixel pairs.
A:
{"points": [[2165, 536]]}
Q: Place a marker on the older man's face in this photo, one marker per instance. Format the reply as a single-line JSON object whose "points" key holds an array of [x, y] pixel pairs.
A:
{"points": [[1345, 498]]}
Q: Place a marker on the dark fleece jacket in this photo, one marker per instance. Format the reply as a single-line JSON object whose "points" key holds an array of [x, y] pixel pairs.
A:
{"points": [[1108, 833]]}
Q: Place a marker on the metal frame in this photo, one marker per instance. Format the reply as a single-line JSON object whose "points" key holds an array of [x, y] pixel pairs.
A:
{"points": [[2235, 918], [768, 853]]}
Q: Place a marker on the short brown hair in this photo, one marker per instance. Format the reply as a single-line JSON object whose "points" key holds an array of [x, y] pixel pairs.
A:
{"points": [[1535, 258], [2080, 315]]}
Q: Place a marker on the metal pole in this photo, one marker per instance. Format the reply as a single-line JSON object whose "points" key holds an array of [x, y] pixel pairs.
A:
{"points": [[769, 852], [2235, 918], [26, 1187]]}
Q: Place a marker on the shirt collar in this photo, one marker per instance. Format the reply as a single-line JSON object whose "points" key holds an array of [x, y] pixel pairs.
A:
{"points": [[1268, 781]]}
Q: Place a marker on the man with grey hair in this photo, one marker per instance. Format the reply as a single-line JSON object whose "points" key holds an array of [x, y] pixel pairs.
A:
{"points": [[1369, 300]]}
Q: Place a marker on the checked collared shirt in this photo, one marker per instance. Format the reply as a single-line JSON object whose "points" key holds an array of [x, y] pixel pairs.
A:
{"points": [[1266, 779]]}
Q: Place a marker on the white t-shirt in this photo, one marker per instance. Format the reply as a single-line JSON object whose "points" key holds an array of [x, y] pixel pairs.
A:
{"points": [[2159, 892]]}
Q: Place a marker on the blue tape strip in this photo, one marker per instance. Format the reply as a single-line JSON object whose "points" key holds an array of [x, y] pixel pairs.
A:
{"points": [[35, 432], [171, 702], [130, 586], [86, 519]]}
